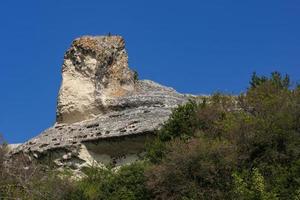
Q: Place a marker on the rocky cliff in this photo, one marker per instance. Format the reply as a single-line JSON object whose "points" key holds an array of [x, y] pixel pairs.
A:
{"points": [[104, 114], [95, 69]]}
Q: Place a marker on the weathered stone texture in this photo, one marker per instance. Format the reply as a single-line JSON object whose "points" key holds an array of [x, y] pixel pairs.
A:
{"points": [[94, 70], [99, 100]]}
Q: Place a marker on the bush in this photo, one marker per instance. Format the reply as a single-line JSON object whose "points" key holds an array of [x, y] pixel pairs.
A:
{"points": [[263, 125], [21, 178], [198, 169], [188, 121], [135, 75], [251, 187], [127, 183]]}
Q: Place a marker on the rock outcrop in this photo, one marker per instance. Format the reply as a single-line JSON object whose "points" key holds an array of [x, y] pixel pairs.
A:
{"points": [[104, 114], [95, 69]]}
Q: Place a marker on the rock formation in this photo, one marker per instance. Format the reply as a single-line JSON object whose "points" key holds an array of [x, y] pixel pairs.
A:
{"points": [[95, 69], [104, 114]]}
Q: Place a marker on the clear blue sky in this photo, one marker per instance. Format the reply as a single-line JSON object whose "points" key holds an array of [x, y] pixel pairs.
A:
{"points": [[194, 46]]}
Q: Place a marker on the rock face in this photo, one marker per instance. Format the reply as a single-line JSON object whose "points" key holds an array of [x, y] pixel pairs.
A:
{"points": [[104, 115], [95, 69]]}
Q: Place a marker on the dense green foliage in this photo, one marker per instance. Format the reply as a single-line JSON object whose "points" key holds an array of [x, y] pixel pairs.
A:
{"points": [[23, 180], [252, 140], [100, 184], [243, 147]]}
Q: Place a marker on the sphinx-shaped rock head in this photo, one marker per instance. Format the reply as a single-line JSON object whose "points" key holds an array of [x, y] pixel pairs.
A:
{"points": [[95, 69]]}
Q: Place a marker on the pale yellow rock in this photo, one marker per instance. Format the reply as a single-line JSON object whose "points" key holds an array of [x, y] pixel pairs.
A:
{"points": [[95, 69], [104, 115]]}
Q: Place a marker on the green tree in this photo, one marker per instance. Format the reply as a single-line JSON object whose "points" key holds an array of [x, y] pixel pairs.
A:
{"points": [[127, 183], [251, 189]]}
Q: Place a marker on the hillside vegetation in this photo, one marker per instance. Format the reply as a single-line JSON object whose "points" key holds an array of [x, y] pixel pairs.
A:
{"points": [[244, 147]]}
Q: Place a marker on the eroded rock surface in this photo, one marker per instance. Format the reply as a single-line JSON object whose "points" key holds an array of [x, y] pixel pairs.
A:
{"points": [[95, 69], [103, 113]]}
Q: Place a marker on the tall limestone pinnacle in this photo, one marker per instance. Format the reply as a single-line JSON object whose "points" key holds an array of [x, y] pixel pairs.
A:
{"points": [[94, 69], [104, 115]]}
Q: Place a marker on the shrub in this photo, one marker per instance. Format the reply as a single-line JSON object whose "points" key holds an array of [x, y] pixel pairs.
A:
{"points": [[252, 187], [198, 169], [21, 178], [276, 79], [127, 183], [135, 75], [188, 121], [181, 124], [263, 125]]}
